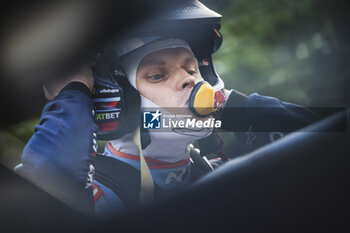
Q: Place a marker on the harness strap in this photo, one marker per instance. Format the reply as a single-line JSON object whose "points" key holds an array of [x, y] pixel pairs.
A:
{"points": [[147, 184], [124, 180]]}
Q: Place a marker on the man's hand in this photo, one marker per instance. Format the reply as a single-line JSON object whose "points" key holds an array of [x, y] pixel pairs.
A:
{"points": [[83, 75]]}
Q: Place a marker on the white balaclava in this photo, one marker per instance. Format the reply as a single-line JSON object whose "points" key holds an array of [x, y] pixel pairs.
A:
{"points": [[171, 146]]}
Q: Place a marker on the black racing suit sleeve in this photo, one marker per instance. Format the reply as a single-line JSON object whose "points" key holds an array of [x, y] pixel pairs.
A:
{"points": [[258, 120], [59, 156]]}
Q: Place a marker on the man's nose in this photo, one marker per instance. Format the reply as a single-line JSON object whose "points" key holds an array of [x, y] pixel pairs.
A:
{"points": [[184, 80]]}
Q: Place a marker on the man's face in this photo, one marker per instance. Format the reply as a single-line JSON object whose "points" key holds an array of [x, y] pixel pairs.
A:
{"points": [[167, 77]]}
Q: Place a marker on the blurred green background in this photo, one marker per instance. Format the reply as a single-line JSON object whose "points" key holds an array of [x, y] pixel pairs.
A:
{"points": [[297, 51], [292, 50]]}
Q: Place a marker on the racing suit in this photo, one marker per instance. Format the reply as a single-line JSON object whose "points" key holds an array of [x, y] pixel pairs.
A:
{"points": [[60, 155]]}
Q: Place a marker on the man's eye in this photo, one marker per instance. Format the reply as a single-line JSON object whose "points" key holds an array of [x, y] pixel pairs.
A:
{"points": [[191, 72], [156, 77]]}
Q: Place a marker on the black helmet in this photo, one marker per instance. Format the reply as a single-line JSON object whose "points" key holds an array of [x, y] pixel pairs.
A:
{"points": [[191, 21], [188, 20]]}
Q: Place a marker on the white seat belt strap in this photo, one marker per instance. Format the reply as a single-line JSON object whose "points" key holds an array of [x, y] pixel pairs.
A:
{"points": [[147, 185]]}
